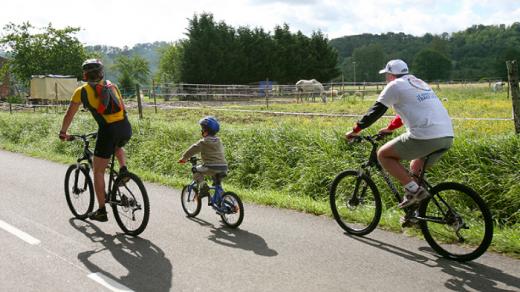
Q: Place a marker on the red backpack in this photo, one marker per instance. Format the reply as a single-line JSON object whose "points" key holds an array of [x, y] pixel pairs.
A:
{"points": [[109, 101]]}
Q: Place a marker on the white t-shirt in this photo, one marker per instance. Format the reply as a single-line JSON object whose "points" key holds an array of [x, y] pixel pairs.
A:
{"points": [[420, 109]]}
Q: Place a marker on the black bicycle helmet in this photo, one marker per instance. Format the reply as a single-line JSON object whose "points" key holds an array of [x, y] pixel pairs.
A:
{"points": [[210, 124], [91, 65]]}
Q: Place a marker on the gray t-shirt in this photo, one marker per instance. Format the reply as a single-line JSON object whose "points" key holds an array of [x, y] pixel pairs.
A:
{"points": [[420, 109], [211, 151]]}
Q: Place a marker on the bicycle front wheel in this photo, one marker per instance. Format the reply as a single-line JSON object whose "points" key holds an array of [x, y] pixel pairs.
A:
{"points": [[457, 223], [355, 202], [190, 201], [79, 191], [130, 204], [233, 209]]}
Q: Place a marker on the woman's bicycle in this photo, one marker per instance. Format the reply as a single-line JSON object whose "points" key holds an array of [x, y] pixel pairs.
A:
{"points": [[454, 220], [227, 204], [125, 193]]}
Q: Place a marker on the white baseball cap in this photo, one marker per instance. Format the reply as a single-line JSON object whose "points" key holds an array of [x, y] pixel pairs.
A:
{"points": [[395, 67]]}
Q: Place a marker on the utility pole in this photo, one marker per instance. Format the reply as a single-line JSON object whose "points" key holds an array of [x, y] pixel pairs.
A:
{"points": [[354, 62]]}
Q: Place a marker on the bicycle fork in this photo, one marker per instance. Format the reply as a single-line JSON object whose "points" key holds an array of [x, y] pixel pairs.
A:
{"points": [[357, 197], [77, 190]]}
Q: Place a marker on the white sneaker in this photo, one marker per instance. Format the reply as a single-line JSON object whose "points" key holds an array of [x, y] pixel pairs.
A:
{"points": [[412, 198]]}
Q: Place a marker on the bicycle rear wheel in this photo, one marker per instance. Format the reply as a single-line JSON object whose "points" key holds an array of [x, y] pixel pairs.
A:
{"points": [[233, 209], [190, 201], [79, 191], [129, 201], [458, 224], [355, 202]]}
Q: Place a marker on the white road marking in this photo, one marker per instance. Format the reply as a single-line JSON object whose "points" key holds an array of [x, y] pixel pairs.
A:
{"points": [[22, 235], [107, 282]]}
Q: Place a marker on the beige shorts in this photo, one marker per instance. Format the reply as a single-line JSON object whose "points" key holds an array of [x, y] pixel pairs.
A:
{"points": [[410, 149], [203, 171]]}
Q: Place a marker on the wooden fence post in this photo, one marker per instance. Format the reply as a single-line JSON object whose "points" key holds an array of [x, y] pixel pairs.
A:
{"points": [[266, 93], [512, 74], [154, 97], [139, 104]]}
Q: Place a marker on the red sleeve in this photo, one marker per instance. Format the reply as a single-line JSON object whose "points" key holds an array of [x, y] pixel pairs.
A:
{"points": [[395, 123], [356, 129]]}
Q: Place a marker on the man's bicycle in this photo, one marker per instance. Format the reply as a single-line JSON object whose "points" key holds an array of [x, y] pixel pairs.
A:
{"points": [[227, 204], [454, 220], [125, 193]]}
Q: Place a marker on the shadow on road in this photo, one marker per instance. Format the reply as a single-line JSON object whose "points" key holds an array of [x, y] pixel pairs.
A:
{"points": [[148, 268], [470, 275], [237, 238]]}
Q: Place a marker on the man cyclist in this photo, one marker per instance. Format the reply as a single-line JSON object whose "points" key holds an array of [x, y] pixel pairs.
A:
{"points": [[113, 133], [428, 126]]}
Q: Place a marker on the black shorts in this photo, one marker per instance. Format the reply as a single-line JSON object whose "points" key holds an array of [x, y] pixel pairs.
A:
{"points": [[111, 136]]}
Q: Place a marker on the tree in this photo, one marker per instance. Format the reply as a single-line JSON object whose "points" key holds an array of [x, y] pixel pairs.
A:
{"points": [[209, 51], [170, 63], [323, 58], [52, 51], [431, 65], [131, 71], [508, 54], [369, 60]]}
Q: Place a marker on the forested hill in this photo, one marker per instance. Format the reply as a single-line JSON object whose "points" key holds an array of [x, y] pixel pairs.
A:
{"points": [[149, 51], [475, 53]]}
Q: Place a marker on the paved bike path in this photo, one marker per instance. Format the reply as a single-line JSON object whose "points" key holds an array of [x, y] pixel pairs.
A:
{"points": [[274, 250]]}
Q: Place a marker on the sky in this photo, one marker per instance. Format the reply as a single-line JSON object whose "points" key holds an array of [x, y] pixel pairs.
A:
{"points": [[126, 23]]}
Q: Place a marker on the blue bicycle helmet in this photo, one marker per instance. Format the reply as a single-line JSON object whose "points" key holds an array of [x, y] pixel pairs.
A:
{"points": [[210, 124]]}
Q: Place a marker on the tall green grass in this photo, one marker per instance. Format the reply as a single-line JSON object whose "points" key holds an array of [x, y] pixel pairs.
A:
{"points": [[297, 156]]}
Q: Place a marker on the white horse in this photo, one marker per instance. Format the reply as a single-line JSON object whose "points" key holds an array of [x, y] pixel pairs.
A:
{"points": [[498, 86], [312, 87]]}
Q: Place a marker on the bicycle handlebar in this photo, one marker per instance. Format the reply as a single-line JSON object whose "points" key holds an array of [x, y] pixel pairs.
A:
{"points": [[369, 138], [84, 137]]}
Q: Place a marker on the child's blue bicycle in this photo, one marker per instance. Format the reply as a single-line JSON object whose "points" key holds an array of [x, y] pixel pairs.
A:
{"points": [[227, 204]]}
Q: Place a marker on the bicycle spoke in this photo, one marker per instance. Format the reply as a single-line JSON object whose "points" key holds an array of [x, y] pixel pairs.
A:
{"points": [[355, 203], [79, 191], [130, 205], [458, 224]]}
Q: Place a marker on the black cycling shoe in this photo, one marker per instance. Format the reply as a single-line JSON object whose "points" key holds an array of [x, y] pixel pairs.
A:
{"points": [[123, 174], [204, 190], [98, 215]]}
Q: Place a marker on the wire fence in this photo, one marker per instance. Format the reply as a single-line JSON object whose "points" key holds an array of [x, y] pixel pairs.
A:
{"points": [[267, 89]]}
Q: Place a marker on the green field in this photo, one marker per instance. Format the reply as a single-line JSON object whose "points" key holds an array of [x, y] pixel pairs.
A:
{"points": [[290, 161]]}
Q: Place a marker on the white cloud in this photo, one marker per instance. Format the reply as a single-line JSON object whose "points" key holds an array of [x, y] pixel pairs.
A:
{"points": [[119, 23]]}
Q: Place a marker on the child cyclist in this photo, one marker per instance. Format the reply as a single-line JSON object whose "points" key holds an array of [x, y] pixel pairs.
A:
{"points": [[212, 153]]}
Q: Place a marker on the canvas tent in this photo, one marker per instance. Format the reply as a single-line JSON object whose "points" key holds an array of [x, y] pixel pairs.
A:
{"points": [[52, 87]]}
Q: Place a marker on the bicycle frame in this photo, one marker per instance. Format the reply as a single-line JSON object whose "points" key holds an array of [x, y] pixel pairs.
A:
{"points": [[374, 163], [88, 155], [217, 189]]}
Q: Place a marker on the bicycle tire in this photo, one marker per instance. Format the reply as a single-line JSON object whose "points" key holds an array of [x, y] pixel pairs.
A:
{"points": [[233, 203], [190, 201], [357, 216], [475, 217], [125, 202], [74, 194]]}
